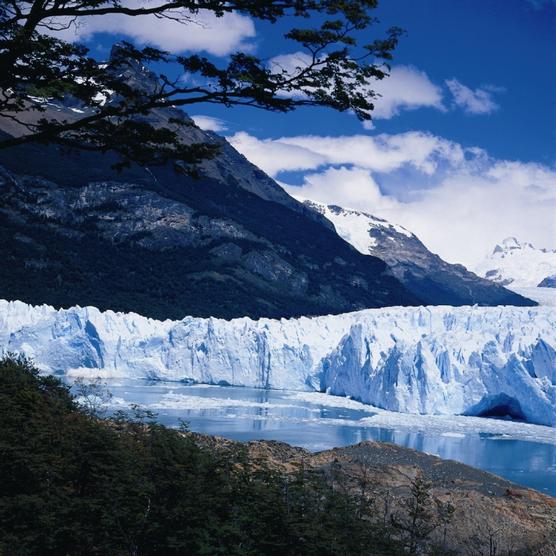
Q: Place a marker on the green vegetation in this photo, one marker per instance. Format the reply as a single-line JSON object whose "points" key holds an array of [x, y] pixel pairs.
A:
{"points": [[75, 484]]}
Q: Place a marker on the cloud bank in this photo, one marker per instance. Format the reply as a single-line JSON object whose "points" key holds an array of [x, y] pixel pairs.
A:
{"points": [[208, 123], [379, 153], [407, 88]]}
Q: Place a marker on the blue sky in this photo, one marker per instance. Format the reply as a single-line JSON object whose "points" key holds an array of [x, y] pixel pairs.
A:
{"points": [[463, 147], [507, 44]]}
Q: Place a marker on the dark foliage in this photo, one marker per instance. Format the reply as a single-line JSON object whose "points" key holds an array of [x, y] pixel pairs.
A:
{"points": [[73, 484]]}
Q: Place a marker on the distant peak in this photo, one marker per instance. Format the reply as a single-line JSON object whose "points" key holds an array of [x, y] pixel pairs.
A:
{"points": [[511, 243], [118, 51], [127, 64], [518, 263], [123, 52]]}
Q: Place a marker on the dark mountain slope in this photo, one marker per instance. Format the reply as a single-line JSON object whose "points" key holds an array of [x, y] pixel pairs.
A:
{"points": [[193, 247], [150, 240]]}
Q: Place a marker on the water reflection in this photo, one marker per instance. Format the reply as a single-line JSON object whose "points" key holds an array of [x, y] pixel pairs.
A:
{"points": [[248, 414]]}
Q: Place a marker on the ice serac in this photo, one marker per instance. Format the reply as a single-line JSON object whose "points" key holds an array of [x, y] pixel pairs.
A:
{"points": [[492, 361]]}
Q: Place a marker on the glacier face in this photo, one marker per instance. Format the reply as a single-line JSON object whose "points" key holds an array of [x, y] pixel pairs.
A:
{"points": [[433, 360]]}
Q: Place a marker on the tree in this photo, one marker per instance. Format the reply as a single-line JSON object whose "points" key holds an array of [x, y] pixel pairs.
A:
{"points": [[338, 73], [92, 396], [419, 520], [73, 484], [445, 512]]}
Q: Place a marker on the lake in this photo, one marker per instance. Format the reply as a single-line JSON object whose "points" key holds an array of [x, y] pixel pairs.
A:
{"points": [[520, 452]]}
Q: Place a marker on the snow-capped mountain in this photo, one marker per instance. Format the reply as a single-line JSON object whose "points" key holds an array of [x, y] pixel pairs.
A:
{"points": [[520, 265], [439, 360], [423, 273], [74, 231]]}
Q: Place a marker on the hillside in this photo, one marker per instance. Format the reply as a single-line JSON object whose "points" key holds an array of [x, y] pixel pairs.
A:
{"points": [[151, 240], [487, 509], [76, 483]]}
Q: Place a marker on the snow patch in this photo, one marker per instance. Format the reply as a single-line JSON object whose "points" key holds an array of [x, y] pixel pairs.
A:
{"points": [[355, 226], [543, 296]]}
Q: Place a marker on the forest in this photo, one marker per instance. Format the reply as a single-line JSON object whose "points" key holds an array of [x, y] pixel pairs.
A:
{"points": [[75, 482]]}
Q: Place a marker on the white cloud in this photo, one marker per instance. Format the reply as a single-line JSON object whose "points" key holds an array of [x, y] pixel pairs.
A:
{"points": [[208, 123], [407, 88], [289, 64], [381, 153], [478, 101], [351, 187], [206, 32], [274, 156], [459, 201], [468, 213]]}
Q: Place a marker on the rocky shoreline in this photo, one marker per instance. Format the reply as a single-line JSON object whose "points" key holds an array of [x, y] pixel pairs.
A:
{"points": [[489, 512]]}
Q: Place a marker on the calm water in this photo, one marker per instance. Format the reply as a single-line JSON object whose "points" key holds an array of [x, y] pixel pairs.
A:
{"points": [[251, 414]]}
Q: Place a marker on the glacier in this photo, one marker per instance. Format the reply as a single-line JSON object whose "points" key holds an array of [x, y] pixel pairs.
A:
{"points": [[438, 360]]}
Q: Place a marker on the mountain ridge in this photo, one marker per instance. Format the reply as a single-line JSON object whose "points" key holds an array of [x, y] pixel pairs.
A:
{"points": [[163, 244], [229, 243], [424, 273]]}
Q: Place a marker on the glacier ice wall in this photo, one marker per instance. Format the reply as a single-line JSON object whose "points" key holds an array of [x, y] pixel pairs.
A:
{"points": [[437, 360]]}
